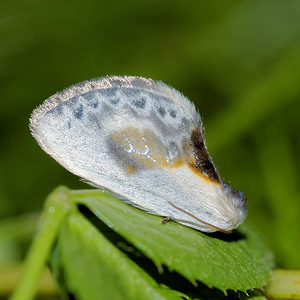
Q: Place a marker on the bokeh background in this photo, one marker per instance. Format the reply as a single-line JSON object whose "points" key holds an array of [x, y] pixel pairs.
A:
{"points": [[239, 61]]}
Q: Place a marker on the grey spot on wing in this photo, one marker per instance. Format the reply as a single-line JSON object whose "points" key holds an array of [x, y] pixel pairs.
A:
{"points": [[109, 92], [173, 148], [111, 95], [78, 111], [122, 158], [131, 92], [114, 101], [162, 111], [159, 124], [173, 114], [92, 99], [59, 109], [184, 121], [94, 103], [69, 124], [173, 152], [170, 130], [139, 103]]}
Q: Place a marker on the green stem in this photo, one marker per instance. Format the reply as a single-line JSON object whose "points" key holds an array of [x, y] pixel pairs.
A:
{"points": [[56, 207], [284, 284]]}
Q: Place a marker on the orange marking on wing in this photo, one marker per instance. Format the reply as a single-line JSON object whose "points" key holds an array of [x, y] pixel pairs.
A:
{"points": [[132, 139], [130, 169], [188, 149], [197, 172]]}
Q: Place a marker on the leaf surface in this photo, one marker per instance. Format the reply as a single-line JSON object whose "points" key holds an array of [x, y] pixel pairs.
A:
{"points": [[239, 261], [93, 268]]}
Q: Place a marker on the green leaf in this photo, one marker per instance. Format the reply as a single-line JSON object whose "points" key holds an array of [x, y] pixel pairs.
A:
{"points": [[239, 261], [93, 268]]}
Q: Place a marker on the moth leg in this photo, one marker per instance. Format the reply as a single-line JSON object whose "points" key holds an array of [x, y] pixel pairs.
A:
{"points": [[166, 220]]}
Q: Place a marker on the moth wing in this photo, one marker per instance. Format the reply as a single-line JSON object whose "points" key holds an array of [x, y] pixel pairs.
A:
{"points": [[120, 133]]}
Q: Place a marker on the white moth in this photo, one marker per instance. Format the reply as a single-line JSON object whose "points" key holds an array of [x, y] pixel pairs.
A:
{"points": [[143, 141]]}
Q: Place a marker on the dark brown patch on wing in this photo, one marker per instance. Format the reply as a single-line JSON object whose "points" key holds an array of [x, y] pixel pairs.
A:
{"points": [[203, 161]]}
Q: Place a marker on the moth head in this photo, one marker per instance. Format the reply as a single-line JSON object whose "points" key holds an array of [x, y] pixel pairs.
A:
{"points": [[238, 199], [232, 206], [221, 208]]}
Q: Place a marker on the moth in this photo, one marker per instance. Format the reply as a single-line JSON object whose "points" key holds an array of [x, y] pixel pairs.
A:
{"points": [[143, 141]]}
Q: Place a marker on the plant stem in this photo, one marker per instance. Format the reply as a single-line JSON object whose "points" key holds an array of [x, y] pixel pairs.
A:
{"points": [[284, 284], [56, 207]]}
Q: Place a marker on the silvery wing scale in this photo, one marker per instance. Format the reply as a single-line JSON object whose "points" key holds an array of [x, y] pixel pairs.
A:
{"points": [[144, 141]]}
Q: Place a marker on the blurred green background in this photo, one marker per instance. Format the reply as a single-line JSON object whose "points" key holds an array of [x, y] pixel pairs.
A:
{"points": [[239, 61]]}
